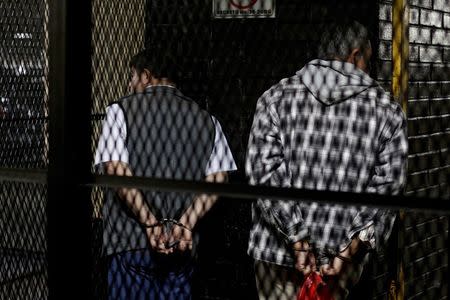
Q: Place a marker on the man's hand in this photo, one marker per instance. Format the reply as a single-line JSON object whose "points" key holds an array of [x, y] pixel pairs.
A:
{"points": [[305, 261], [337, 266], [345, 257], [182, 236], [158, 239]]}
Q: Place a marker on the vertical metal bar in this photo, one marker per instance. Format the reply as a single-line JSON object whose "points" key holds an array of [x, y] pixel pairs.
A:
{"points": [[400, 51], [400, 78], [45, 80], [69, 205], [57, 90]]}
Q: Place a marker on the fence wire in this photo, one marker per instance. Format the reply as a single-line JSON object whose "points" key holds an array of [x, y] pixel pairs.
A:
{"points": [[23, 121], [286, 94], [23, 271]]}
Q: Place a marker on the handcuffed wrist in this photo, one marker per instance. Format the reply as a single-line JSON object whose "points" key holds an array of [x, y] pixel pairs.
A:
{"points": [[166, 221], [303, 247], [152, 225], [184, 226], [344, 258]]}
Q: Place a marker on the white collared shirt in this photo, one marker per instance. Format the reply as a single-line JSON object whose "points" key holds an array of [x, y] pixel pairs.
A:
{"points": [[112, 143]]}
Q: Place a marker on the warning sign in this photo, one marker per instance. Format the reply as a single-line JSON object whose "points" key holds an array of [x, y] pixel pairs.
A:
{"points": [[244, 8]]}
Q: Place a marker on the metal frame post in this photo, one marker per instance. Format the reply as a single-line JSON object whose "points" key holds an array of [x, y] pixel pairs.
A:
{"points": [[400, 78], [69, 205], [400, 51]]}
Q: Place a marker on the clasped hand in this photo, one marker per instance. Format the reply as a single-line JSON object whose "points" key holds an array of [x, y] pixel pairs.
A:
{"points": [[306, 261], [179, 238]]}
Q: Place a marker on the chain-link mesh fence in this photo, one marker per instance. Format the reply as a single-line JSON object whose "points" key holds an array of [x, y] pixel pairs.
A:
{"points": [[23, 125], [23, 241], [23, 108], [362, 109]]}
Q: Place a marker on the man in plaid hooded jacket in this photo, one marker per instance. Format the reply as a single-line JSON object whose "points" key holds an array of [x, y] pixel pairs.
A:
{"points": [[329, 127]]}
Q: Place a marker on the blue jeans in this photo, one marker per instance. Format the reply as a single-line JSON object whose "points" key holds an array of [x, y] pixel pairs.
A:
{"points": [[147, 275]]}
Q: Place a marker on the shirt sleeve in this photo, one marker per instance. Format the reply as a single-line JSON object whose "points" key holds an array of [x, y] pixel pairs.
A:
{"points": [[391, 168], [221, 158], [367, 236], [112, 142], [266, 165], [389, 177]]}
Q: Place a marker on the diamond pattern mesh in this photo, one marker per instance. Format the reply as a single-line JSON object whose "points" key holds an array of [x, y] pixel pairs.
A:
{"points": [[23, 125], [23, 271], [24, 89], [194, 107]]}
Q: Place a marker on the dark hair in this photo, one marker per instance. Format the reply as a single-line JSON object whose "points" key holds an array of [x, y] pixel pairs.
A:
{"points": [[338, 40], [159, 63]]}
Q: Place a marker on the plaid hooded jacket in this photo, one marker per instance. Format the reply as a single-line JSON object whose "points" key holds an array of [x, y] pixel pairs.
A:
{"points": [[329, 127]]}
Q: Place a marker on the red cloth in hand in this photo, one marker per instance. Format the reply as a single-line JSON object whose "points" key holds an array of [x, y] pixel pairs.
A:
{"points": [[314, 288]]}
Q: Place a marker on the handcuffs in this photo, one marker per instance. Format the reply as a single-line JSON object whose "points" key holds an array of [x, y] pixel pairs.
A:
{"points": [[167, 224]]}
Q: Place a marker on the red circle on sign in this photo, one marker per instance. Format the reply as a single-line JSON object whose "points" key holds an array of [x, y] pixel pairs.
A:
{"points": [[240, 6]]}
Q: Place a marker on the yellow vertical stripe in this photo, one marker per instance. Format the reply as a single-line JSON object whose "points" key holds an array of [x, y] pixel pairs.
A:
{"points": [[400, 51], [400, 78]]}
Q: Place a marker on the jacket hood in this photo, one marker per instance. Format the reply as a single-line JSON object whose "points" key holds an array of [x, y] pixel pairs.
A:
{"points": [[332, 81]]}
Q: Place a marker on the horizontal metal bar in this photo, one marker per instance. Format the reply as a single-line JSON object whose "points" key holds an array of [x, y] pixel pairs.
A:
{"points": [[24, 175], [243, 191]]}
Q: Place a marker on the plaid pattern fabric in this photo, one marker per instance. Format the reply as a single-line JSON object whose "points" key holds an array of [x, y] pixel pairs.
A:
{"points": [[329, 127]]}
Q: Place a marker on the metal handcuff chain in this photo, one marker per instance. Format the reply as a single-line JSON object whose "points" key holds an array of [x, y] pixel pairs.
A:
{"points": [[167, 223]]}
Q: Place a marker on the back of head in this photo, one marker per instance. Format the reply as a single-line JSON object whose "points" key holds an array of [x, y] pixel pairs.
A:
{"points": [[339, 39], [160, 63]]}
